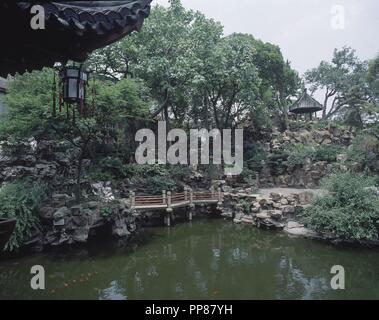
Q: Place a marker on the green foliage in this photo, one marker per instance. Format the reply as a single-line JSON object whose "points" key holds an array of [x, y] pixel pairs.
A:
{"points": [[327, 152], [297, 126], [249, 176], [245, 205], [99, 176], [145, 170], [29, 103], [155, 184], [298, 153], [348, 82], [365, 151], [198, 77], [350, 209], [155, 178], [254, 154], [21, 200]]}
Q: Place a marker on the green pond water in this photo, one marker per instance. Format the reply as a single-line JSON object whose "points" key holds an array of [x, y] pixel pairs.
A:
{"points": [[208, 259]]}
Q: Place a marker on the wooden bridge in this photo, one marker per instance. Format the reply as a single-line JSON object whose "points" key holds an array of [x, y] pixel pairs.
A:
{"points": [[169, 201]]}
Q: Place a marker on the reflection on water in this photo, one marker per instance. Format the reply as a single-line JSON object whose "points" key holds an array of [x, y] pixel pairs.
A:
{"points": [[205, 260]]}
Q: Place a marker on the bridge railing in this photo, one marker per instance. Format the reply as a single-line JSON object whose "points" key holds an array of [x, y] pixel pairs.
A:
{"points": [[167, 199]]}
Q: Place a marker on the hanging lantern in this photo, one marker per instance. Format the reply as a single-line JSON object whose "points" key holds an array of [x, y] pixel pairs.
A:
{"points": [[74, 81]]}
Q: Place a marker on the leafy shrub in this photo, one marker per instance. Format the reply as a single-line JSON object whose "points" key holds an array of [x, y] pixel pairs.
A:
{"points": [[327, 152], [246, 206], [297, 126], [21, 200], [365, 150], [350, 209], [145, 170], [249, 176], [254, 154], [29, 101], [179, 172], [98, 175], [155, 184], [298, 153]]}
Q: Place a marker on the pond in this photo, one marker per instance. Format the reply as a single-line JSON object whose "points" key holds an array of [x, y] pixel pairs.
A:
{"points": [[207, 259]]}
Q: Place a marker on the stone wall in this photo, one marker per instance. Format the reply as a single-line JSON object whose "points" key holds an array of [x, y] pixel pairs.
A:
{"points": [[275, 170], [274, 211]]}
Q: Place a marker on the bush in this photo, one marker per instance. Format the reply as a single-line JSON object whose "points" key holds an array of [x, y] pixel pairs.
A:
{"points": [[297, 126], [365, 150], [155, 184], [327, 152], [21, 200], [349, 211], [298, 153], [29, 102], [254, 154], [246, 206]]}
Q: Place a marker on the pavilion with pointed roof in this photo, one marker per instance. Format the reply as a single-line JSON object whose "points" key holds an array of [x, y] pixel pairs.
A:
{"points": [[73, 29], [306, 105]]}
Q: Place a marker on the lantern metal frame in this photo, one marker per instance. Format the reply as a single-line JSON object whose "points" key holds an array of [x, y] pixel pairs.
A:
{"points": [[74, 80]]}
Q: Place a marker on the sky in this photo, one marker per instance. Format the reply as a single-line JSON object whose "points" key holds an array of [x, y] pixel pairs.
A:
{"points": [[307, 31]]}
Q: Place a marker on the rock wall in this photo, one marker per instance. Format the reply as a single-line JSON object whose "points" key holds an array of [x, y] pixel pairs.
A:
{"points": [[44, 160], [275, 170], [274, 211], [64, 222]]}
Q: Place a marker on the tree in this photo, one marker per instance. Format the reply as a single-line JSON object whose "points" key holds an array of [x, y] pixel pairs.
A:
{"points": [[198, 77], [118, 108], [227, 84], [343, 81], [245, 78], [29, 104], [373, 79], [163, 54]]}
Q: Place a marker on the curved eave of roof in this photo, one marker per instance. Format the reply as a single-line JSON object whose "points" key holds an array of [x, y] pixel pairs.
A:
{"points": [[99, 17], [306, 104], [73, 29]]}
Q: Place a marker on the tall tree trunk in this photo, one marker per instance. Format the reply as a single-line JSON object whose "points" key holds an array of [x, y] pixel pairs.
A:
{"points": [[325, 106]]}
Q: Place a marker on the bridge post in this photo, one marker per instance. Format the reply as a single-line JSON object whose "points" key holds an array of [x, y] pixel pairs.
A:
{"points": [[220, 199], [164, 197], [191, 197], [213, 192], [132, 199], [185, 194], [169, 201], [168, 210], [191, 206]]}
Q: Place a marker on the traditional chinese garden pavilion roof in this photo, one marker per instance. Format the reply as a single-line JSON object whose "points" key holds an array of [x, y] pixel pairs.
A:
{"points": [[73, 30], [306, 104]]}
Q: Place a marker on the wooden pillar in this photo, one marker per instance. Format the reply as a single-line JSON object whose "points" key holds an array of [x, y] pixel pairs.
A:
{"points": [[191, 196], [185, 194], [164, 197], [169, 201], [168, 210], [220, 195], [132, 199], [220, 199], [191, 206], [213, 192]]}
